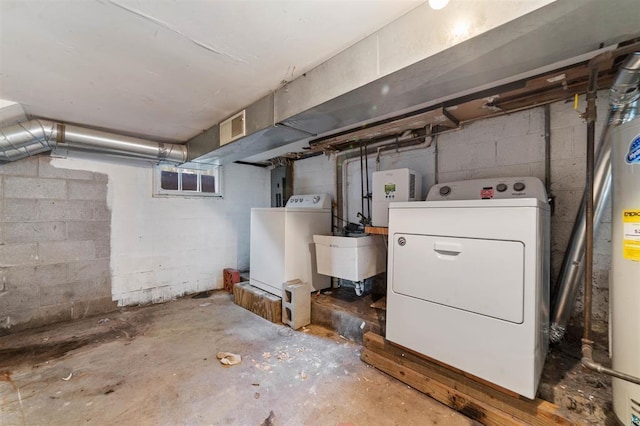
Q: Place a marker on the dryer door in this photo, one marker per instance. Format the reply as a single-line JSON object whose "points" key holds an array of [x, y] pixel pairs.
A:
{"points": [[485, 277]]}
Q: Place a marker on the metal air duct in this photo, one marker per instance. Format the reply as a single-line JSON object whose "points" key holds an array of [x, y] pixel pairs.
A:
{"points": [[35, 136]]}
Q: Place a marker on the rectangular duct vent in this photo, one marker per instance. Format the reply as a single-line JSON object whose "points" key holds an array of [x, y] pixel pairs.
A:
{"points": [[232, 128]]}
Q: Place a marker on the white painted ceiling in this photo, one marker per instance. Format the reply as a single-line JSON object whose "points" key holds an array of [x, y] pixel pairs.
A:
{"points": [[169, 69]]}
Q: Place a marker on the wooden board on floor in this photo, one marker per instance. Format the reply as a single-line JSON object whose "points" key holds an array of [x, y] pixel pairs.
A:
{"points": [[258, 301], [479, 401]]}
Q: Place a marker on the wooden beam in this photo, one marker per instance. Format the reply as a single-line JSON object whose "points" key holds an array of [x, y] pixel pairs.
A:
{"points": [[258, 301], [376, 230], [470, 407], [454, 387]]}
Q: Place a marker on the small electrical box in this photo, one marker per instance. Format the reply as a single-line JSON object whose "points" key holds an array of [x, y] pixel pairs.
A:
{"points": [[393, 185]]}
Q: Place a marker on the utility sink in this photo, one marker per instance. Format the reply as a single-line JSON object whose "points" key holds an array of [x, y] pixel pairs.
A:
{"points": [[350, 258]]}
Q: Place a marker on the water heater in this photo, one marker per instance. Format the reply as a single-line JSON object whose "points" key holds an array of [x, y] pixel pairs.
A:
{"points": [[625, 267], [393, 185]]}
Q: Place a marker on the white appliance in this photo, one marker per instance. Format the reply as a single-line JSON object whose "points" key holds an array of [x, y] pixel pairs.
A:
{"points": [[624, 293], [468, 278], [350, 258], [282, 247], [393, 185]]}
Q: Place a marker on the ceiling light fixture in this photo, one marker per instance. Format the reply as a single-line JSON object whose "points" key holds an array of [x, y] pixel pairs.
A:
{"points": [[438, 4]]}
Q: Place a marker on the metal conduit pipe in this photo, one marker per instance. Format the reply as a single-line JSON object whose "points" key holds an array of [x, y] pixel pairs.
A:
{"points": [[573, 265], [572, 269], [626, 86], [35, 136]]}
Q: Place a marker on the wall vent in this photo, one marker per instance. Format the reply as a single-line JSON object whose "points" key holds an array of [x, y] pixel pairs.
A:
{"points": [[232, 128]]}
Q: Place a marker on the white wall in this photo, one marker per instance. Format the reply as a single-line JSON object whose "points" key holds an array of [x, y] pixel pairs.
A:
{"points": [[315, 175], [166, 247]]}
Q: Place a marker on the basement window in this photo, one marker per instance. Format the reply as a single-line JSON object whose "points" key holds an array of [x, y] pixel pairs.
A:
{"points": [[183, 182]]}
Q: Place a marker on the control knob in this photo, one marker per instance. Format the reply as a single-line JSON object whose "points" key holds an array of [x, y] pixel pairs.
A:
{"points": [[445, 190], [501, 187], [518, 186]]}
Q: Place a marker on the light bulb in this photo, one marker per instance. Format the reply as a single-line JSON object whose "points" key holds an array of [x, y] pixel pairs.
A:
{"points": [[438, 4]]}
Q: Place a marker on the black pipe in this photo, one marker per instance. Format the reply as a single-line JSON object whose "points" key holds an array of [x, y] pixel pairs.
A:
{"points": [[591, 116]]}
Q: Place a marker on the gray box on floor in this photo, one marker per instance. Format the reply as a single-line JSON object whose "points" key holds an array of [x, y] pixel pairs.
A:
{"points": [[296, 304]]}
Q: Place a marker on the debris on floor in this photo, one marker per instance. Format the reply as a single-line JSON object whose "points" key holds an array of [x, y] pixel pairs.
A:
{"points": [[203, 295], [227, 358], [270, 421]]}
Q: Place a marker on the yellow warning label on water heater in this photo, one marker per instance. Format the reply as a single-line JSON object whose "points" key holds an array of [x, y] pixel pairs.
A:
{"points": [[631, 240]]}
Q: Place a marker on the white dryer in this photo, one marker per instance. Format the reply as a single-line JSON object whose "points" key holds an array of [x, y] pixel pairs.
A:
{"points": [[282, 247], [468, 278]]}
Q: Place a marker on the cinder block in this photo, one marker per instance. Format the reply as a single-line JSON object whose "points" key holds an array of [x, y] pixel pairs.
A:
{"points": [[567, 174], [18, 254], [57, 294], [27, 232], [469, 157], [39, 188], [560, 235], [602, 239], [602, 262], [51, 315], [79, 190], [24, 167], [85, 308], [567, 203], [101, 177], [19, 210], [563, 114], [103, 248], [537, 170], [65, 210], [296, 304], [93, 230], [10, 320], [562, 140], [45, 169], [89, 270], [18, 299], [34, 276], [101, 211], [606, 215], [454, 176], [520, 149], [86, 290], [502, 171], [66, 251]]}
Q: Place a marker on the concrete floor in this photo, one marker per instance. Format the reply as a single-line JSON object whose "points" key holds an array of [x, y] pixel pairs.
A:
{"points": [[564, 382], [157, 365]]}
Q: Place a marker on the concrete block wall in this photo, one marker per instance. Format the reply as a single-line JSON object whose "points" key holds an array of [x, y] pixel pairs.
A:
{"points": [[54, 244], [513, 145], [166, 247], [505, 146], [306, 175]]}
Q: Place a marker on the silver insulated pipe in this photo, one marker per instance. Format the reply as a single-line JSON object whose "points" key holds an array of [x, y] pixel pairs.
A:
{"points": [[572, 270], [35, 136]]}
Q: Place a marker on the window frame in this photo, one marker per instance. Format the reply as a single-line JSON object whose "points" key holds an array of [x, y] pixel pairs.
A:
{"points": [[205, 170]]}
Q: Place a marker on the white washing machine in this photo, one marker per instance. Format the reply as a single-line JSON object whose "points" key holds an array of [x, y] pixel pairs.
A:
{"points": [[468, 278], [282, 247]]}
